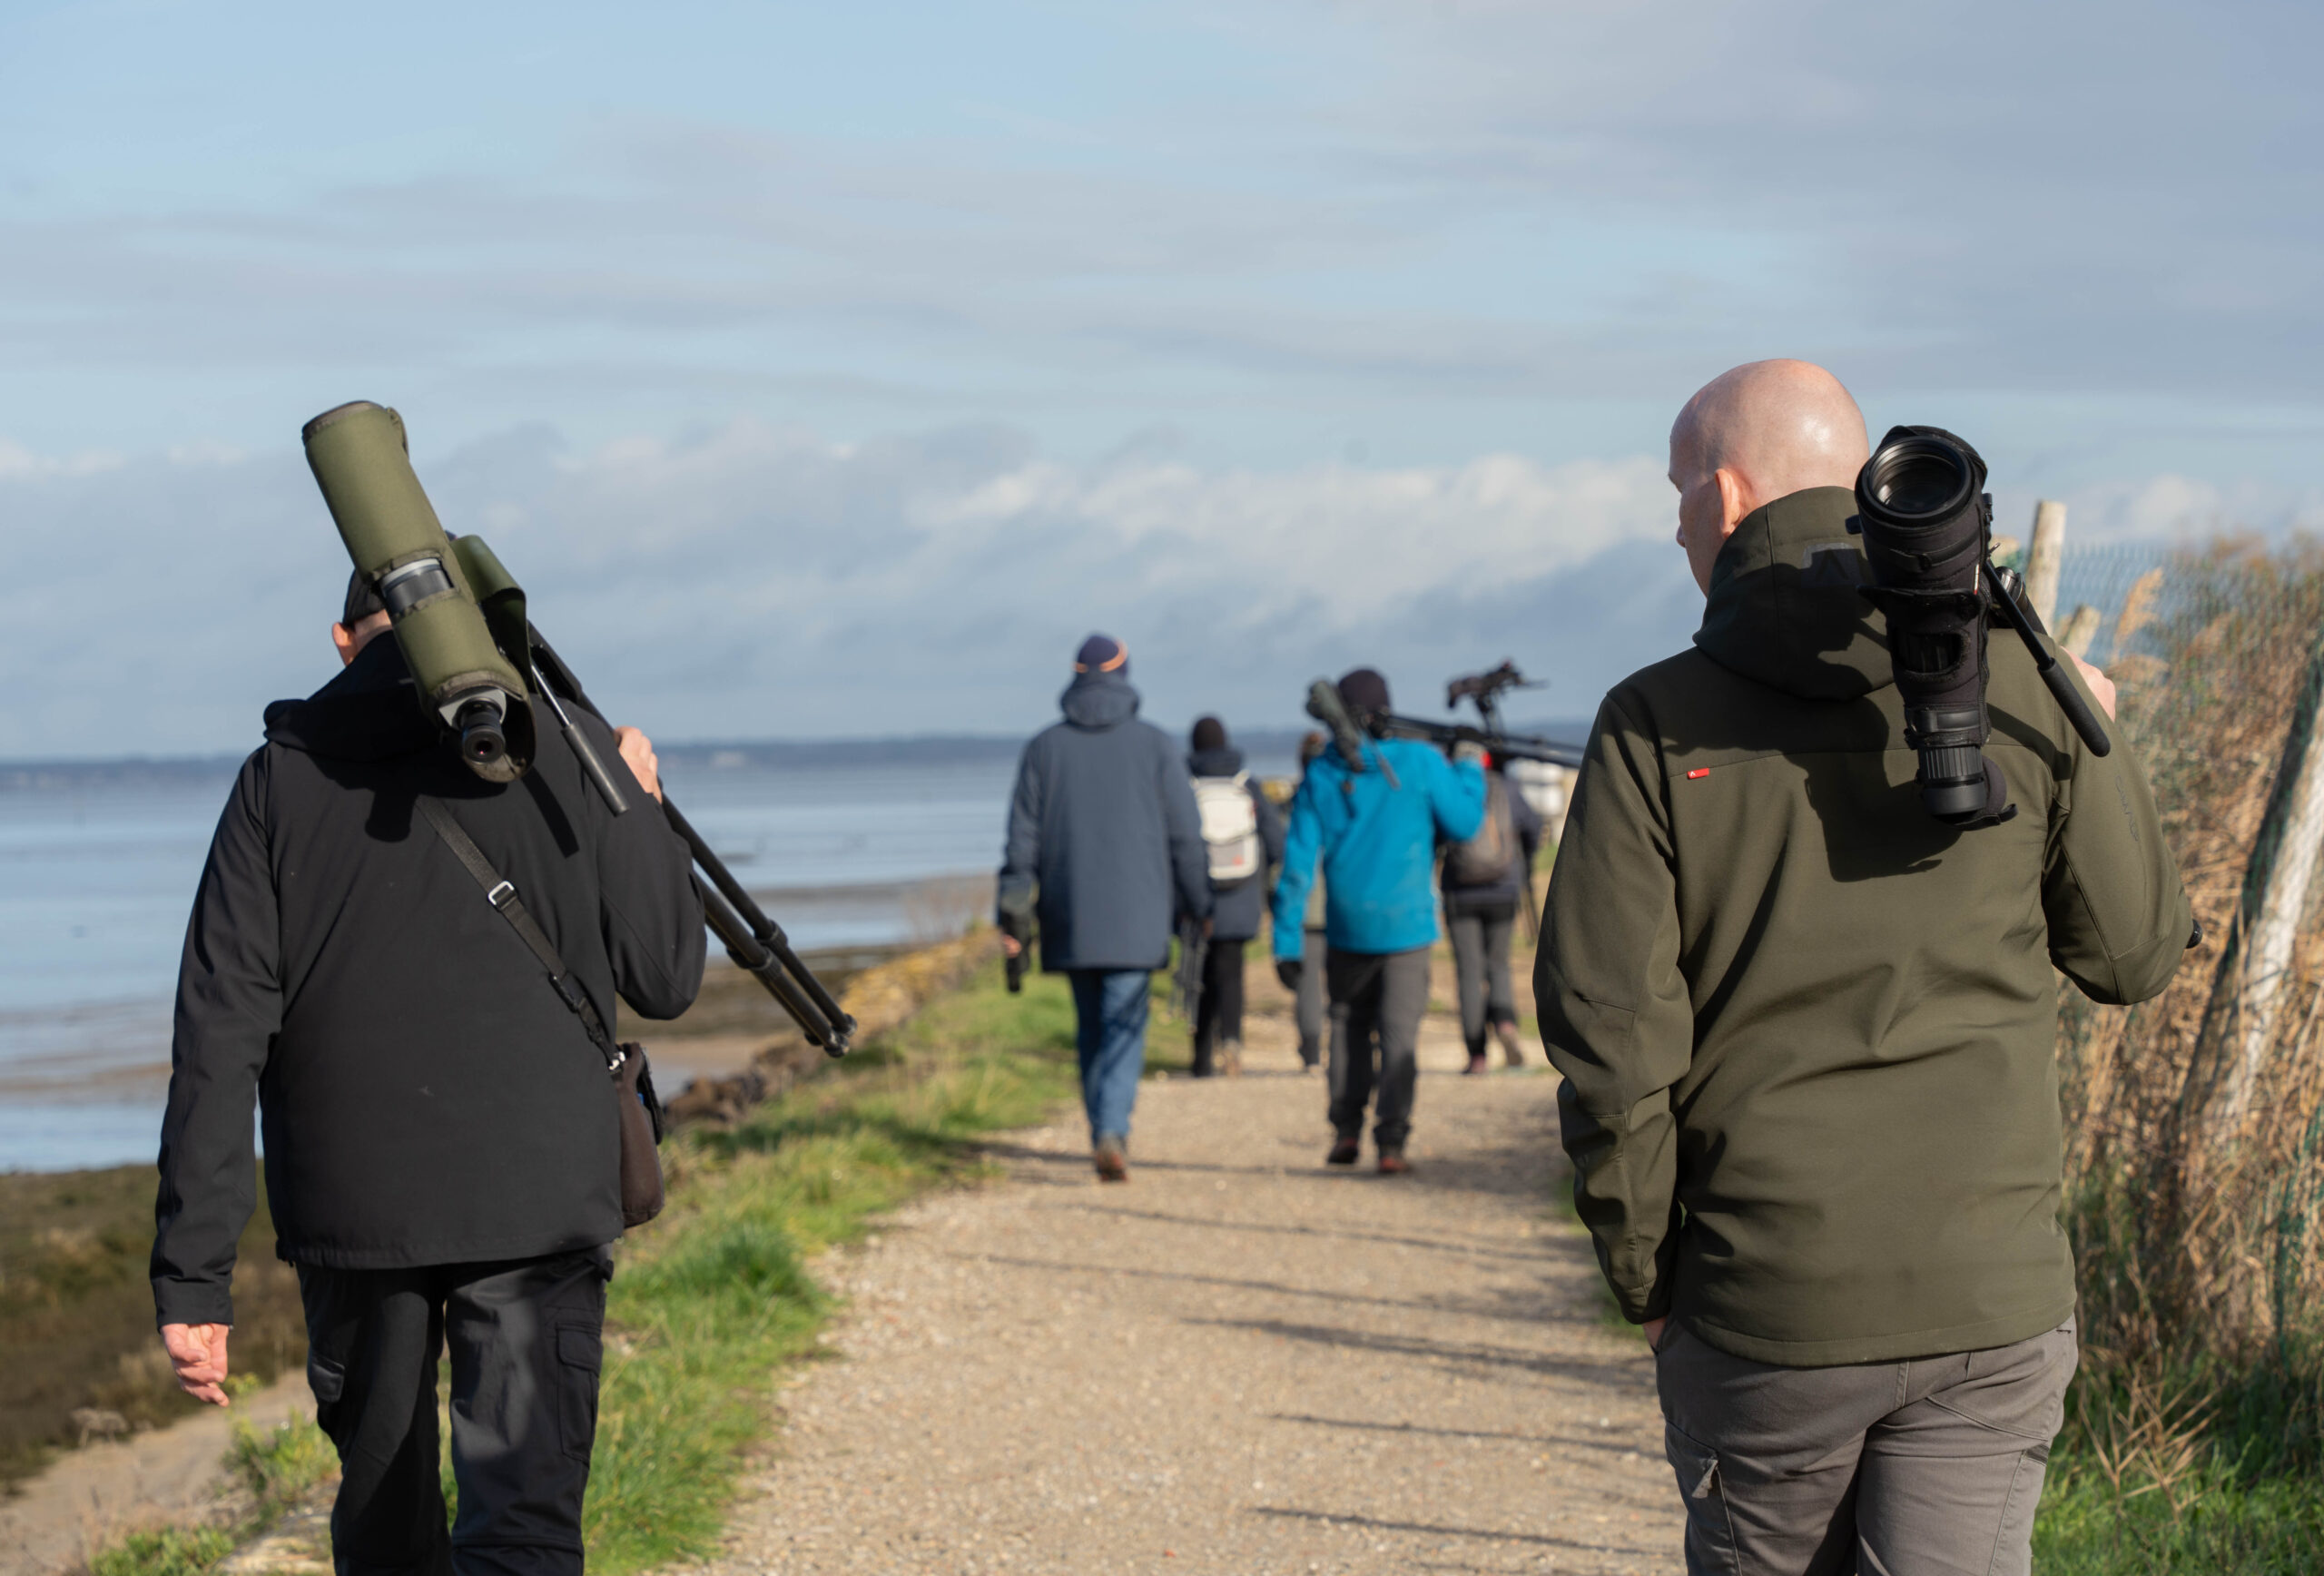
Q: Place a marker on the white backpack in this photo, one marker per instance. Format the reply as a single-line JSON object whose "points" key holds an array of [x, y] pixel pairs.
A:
{"points": [[1230, 826]]}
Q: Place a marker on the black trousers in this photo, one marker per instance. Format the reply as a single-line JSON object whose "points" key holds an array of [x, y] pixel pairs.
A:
{"points": [[1219, 1014], [1480, 963], [1377, 1001], [526, 1337]]}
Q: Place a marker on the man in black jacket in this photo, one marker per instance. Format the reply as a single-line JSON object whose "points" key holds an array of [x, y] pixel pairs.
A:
{"points": [[1105, 847], [441, 1145]]}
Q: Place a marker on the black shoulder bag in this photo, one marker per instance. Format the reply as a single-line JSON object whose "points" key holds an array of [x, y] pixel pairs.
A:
{"points": [[641, 1111]]}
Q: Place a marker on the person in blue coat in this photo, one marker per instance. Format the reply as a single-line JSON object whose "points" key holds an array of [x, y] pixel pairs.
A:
{"points": [[1377, 844], [1105, 848]]}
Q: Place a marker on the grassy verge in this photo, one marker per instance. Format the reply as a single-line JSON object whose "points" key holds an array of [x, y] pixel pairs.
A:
{"points": [[2206, 1469], [712, 1298]]}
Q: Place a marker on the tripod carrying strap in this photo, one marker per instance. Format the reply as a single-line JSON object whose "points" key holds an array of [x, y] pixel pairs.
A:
{"points": [[642, 1193]]}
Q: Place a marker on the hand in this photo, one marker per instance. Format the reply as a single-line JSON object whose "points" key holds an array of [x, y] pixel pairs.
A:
{"points": [[638, 753], [1010, 947], [2102, 688], [1207, 927], [198, 1353], [1653, 1328], [1288, 970]]}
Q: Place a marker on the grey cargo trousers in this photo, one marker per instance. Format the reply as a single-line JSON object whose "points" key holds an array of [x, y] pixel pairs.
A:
{"points": [[1930, 1467]]}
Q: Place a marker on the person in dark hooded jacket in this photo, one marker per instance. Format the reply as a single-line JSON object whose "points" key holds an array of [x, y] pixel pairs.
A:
{"points": [[442, 1151], [1105, 848], [1481, 894], [1809, 1031], [1249, 848]]}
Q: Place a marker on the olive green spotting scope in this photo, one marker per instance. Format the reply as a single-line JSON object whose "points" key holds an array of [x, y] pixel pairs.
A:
{"points": [[445, 620]]}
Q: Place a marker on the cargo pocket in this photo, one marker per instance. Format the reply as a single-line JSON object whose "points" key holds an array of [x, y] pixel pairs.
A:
{"points": [[579, 1355], [328, 1379], [1710, 1532]]}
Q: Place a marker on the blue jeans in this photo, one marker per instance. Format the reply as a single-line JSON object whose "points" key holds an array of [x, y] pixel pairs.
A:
{"points": [[1109, 1032]]}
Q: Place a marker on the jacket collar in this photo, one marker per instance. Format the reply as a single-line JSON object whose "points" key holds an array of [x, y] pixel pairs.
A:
{"points": [[1786, 606]]}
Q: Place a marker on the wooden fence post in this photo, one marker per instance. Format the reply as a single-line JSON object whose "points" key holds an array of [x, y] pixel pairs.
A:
{"points": [[2044, 557], [2248, 991]]}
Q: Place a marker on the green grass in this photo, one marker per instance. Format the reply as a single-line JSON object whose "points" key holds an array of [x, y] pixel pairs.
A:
{"points": [[708, 1302], [2205, 1469], [2222, 1526]]}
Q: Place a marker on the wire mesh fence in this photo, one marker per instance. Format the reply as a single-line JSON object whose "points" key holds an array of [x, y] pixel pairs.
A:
{"points": [[2195, 1121]]}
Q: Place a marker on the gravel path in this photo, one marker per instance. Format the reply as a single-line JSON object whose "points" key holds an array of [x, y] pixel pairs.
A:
{"points": [[1237, 1363]]}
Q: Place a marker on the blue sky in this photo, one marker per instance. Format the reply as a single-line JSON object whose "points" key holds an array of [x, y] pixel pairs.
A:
{"points": [[838, 367]]}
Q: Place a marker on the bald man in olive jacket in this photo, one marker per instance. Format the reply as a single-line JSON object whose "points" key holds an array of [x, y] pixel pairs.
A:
{"points": [[1806, 1031]]}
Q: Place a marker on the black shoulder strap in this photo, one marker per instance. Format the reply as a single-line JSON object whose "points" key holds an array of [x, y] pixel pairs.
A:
{"points": [[501, 893]]}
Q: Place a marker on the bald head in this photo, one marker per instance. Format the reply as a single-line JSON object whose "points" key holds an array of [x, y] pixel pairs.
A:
{"points": [[1751, 435]]}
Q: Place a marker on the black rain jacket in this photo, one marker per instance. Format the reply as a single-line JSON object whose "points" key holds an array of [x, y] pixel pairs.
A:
{"points": [[426, 1097]]}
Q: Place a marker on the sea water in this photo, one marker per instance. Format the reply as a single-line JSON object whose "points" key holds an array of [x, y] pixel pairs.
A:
{"points": [[847, 846]]}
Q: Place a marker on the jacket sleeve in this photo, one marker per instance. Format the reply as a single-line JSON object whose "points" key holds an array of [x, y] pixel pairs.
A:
{"points": [[228, 1010], [1302, 841], [2119, 919], [1021, 854], [1616, 1016], [649, 913], [1456, 796], [1182, 821]]}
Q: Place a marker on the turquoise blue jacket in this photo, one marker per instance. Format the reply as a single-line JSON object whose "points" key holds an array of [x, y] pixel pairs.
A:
{"points": [[1378, 845]]}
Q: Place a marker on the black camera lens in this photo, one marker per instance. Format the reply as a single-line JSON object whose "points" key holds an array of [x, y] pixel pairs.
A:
{"points": [[1918, 479]]}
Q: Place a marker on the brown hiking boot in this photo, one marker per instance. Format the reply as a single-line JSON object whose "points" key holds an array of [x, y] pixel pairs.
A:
{"points": [[1393, 1164], [1511, 1051], [1343, 1152], [1230, 1059], [1111, 1160], [1477, 1065]]}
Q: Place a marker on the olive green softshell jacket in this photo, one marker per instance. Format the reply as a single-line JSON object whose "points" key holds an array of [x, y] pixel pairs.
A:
{"points": [[1808, 1031]]}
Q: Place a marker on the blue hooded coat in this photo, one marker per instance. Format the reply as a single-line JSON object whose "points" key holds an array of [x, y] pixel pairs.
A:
{"points": [[1105, 845], [1378, 845]]}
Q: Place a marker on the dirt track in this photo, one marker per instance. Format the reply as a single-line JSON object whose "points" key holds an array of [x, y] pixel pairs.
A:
{"points": [[1237, 1363]]}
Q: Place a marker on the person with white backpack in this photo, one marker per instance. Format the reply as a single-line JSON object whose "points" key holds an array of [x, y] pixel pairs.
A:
{"points": [[1242, 835]]}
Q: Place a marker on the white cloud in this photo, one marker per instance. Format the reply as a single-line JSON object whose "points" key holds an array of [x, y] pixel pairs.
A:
{"points": [[753, 581]]}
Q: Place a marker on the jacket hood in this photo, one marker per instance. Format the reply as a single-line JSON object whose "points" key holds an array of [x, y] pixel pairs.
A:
{"points": [[368, 713], [1786, 607], [1097, 701], [1223, 763]]}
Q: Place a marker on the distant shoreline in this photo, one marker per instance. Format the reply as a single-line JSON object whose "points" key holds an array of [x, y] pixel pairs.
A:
{"points": [[700, 754]]}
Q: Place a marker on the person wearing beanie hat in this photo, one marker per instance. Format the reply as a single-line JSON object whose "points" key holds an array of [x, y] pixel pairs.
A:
{"points": [[1373, 830], [1104, 851], [1242, 836]]}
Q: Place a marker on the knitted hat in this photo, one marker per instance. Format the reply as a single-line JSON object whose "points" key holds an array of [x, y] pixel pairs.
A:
{"points": [[1210, 733], [1101, 654], [1364, 692], [362, 601]]}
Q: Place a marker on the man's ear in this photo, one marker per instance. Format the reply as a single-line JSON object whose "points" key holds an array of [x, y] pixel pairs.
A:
{"points": [[1735, 498], [343, 638]]}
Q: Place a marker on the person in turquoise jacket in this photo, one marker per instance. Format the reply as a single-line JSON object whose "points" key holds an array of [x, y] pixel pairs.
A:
{"points": [[1378, 847]]}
